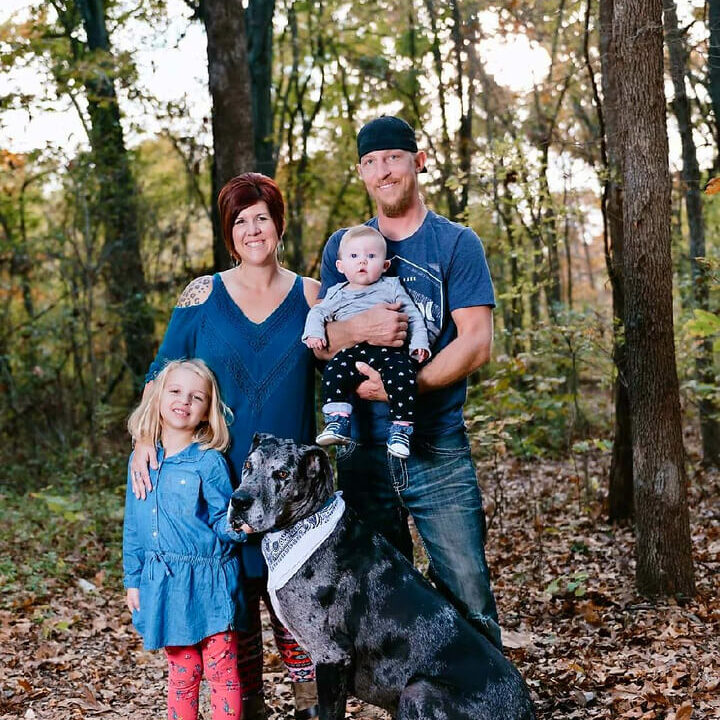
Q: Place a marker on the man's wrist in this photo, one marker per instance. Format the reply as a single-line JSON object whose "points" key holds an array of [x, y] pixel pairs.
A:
{"points": [[352, 331], [343, 333]]}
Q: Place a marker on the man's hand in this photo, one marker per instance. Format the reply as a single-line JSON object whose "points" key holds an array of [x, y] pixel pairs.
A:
{"points": [[372, 388], [143, 458], [315, 343], [384, 325], [132, 598]]}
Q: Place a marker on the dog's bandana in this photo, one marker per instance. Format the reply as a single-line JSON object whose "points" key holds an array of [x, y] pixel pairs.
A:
{"points": [[287, 550]]}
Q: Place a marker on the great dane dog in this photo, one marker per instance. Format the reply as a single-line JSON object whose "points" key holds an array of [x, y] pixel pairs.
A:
{"points": [[371, 623]]}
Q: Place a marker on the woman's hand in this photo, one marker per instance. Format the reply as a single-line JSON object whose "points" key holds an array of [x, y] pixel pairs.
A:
{"points": [[132, 598], [421, 354], [144, 458]]}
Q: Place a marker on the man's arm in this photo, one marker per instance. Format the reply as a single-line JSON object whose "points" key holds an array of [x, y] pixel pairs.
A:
{"points": [[382, 325], [465, 354]]}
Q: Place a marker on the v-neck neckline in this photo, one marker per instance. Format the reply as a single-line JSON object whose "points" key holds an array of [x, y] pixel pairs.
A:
{"points": [[257, 325]]}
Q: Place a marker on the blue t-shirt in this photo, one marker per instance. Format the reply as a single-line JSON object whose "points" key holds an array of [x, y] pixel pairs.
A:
{"points": [[443, 268]]}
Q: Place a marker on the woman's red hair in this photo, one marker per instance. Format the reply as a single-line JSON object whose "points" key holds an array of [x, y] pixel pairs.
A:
{"points": [[240, 193]]}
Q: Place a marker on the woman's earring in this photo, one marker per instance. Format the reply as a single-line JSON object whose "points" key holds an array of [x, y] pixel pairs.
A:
{"points": [[281, 251]]}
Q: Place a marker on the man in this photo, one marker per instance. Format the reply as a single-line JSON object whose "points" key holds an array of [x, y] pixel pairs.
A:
{"points": [[443, 268]]}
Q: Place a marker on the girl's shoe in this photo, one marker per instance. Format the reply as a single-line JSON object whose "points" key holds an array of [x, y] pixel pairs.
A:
{"points": [[336, 432], [398, 442]]}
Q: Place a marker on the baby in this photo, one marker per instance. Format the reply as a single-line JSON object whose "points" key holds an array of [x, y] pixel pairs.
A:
{"points": [[361, 258]]}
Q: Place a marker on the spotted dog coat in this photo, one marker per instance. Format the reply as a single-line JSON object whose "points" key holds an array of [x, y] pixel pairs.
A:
{"points": [[372, 624]]}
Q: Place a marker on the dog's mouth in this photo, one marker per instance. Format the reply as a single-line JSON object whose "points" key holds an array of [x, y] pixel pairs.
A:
{"points": [[238, 524]]}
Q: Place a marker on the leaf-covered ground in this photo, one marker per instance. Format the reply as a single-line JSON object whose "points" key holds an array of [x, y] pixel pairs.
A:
{"points": [[587, 645]]}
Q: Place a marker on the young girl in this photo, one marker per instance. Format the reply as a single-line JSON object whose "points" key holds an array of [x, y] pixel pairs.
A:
{"points": [[182, 574]]}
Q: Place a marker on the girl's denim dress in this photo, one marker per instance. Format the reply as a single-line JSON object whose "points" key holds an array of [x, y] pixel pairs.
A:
{"points": [[180, 552]]}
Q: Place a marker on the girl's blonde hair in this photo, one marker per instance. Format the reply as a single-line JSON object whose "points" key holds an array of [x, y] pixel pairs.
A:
{"points": [[145, 421]]}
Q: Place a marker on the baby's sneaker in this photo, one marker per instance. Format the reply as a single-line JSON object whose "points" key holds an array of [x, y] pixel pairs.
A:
{"points": [[336, 431], [398, 442]]}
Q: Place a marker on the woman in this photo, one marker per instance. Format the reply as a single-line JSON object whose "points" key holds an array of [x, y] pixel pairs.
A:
{"points": [[246, 324]]}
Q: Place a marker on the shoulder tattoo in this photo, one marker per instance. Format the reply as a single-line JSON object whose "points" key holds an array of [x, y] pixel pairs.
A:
{"points": [[196, 292]]}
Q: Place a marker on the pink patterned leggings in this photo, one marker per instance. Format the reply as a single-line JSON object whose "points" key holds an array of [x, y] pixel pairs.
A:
{"points": [[216, 657]]}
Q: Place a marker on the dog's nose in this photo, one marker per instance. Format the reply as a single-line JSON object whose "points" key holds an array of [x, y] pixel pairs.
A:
{"points": [[241, 500]]}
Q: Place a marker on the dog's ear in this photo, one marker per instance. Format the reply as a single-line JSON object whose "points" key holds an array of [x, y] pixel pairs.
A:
{"points": [[257, 439], [315, 463]]}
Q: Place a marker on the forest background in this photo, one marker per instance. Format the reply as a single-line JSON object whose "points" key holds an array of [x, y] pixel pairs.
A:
{"points": [[547, 127]]}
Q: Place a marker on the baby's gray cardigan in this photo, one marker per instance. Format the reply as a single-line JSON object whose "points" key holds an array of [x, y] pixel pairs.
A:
{"points": [[340, 303]]}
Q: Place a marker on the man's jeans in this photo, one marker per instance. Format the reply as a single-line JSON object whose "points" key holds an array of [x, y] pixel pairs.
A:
{"points": [[438, 486]]}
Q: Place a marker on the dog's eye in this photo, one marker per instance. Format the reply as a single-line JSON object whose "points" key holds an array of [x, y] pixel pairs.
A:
{"points": [[247, 465], [283, 474]]}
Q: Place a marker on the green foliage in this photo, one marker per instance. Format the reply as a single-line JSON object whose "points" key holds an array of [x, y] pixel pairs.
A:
{"points": [[174, 180], [705, 324], [69, 528], [568, 585], [701, 328], [590, 445], [62, 366], [545, 401]]}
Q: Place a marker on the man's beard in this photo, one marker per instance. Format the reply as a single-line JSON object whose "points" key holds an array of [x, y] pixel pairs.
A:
{"points": [[398, 208]]}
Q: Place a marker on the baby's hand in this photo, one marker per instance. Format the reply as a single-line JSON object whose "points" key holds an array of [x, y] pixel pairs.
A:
{"points": [[315, 343], [132, 598], [421, 354]]}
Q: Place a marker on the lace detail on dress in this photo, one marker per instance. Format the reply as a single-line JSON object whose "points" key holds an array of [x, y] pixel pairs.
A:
{"points": [[257, 390], [259, 334]]}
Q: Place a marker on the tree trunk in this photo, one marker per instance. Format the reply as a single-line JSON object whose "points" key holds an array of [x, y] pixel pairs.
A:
{"points": [[714, 70], [302, 115], [513, 311], [663, 549], [710, 431], [445, 167], [553, 289], [117, 203], [620, 492], [259, 26], [232, 126], [516, 304], [566, 242], [466, 101], [536, 273]]}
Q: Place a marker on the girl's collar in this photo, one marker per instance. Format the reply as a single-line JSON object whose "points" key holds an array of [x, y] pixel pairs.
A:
{"points": [[189, 450]]}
